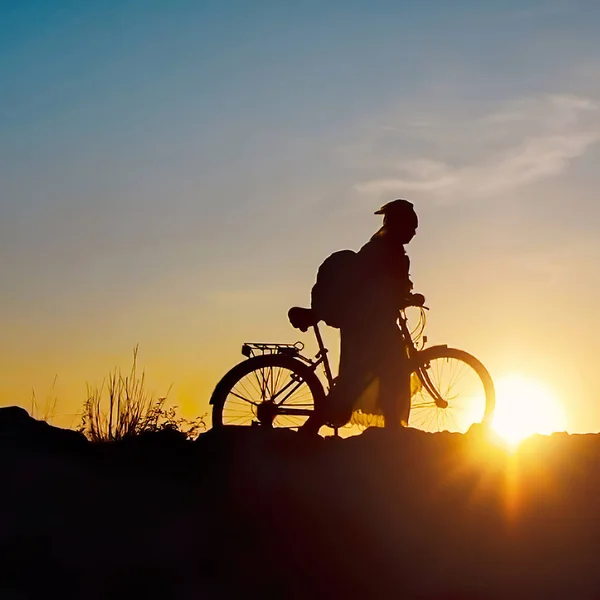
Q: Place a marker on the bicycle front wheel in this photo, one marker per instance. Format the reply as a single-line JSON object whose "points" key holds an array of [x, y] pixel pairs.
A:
{"points": [[272, 390], [451, 390]]}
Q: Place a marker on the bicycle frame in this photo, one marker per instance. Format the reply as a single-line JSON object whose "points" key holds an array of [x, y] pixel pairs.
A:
{"points": [[321, 359], [411, 350], [422, 374], [323, 351]]}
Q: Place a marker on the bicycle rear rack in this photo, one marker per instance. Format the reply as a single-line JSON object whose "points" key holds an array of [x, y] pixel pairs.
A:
{"points": [[251, 349]]}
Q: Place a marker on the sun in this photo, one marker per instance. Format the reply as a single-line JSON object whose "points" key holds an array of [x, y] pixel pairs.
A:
{"points": [[525, 407]]}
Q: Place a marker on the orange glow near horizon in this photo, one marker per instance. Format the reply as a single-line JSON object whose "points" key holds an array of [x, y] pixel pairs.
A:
{"points": [[525, 407]]}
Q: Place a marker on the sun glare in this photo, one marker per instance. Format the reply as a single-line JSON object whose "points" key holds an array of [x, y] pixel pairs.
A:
{"points": [[525, 407]]}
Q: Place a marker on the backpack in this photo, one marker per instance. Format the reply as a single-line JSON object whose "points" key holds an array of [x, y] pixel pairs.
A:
{"points": [[332, 292]]}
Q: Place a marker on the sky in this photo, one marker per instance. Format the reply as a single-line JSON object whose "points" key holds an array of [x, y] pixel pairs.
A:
{"points": [[172, 175]]}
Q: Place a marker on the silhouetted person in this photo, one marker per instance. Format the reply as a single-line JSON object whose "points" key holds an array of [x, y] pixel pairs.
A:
{"points": [[376, 286]]}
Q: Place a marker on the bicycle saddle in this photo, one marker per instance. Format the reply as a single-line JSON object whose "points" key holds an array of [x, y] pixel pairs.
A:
{"points": [[302, 318]]}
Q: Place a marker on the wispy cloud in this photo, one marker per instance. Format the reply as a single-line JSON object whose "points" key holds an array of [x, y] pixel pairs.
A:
{"points": [[550, 9], [517, 144]]}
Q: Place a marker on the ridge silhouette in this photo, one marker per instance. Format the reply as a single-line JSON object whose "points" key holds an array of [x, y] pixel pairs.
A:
{"points": [[258, 512]]}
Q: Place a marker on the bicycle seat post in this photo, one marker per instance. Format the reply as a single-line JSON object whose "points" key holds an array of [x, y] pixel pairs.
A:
{"points": [[323, 353]]}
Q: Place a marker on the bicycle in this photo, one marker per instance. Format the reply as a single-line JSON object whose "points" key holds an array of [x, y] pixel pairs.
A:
{"points": [[277, 386]]}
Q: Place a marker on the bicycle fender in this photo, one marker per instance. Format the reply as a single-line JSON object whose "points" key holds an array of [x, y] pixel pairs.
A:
{"points": [[415, 362], [429, 348], [212, 396]]}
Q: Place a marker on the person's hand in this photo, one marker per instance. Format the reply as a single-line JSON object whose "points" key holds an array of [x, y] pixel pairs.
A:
{"points": [[417, 299]]}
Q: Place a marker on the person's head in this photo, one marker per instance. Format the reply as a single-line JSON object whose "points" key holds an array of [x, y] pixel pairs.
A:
{"points": [[399, 220]]}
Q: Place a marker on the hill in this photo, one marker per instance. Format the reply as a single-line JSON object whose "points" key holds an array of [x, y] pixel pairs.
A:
{"points": [[249, 512]]}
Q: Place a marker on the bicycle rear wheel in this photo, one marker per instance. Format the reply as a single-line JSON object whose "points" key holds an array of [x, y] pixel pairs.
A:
{"points": [[272, 390], [451, 390]]}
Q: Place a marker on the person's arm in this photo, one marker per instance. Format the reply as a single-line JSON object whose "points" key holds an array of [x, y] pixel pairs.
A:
{"points": [[407, 295]]}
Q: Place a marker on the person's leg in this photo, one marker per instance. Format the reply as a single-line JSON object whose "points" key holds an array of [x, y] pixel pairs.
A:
{"points": [[394, 394], [338, 405], [394, 379], [354, 376]]}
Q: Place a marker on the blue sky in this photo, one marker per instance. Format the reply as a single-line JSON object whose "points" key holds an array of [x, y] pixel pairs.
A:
{"points": [[172, 174]]}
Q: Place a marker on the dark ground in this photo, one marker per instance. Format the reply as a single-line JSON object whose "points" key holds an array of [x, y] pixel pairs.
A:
{"points": [[247, 512]]}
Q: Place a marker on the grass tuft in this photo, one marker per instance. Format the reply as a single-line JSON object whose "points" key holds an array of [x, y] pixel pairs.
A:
{"points": [[47, 412], [122, 407]]}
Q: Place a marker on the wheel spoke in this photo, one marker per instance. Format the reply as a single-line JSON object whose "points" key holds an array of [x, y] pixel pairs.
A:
{"points": [[458, 383], [276, 381], [242, 398]]}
